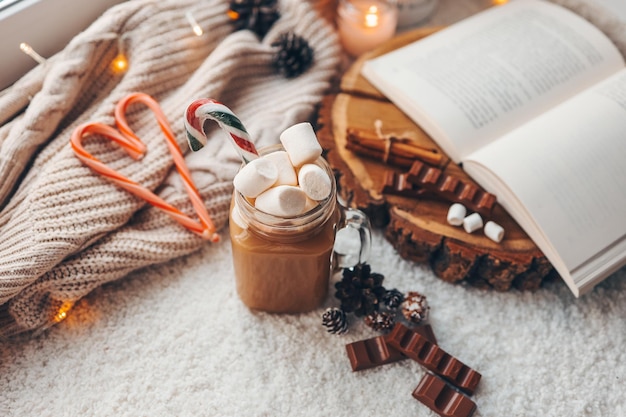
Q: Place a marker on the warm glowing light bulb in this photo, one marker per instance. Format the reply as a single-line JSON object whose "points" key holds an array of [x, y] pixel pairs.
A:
{"points": [[120, 63], [194, 24], [28, 50], [62, 313], [499, 2], [371, 18]]}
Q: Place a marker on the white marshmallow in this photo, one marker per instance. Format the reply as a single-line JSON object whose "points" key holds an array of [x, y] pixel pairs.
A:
{"points": [[286, 171], [283, 201], [301, 144], [314, 181], [494, 231], [235, 216], [255, 177], [456, 214], [472, 222], [310, 205]]}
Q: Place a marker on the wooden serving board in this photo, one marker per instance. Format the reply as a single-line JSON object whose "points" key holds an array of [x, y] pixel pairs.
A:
{"points": [[417, 228]]}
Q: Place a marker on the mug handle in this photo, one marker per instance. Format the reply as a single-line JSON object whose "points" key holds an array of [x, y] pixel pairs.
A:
{"points": [[353, 240]]}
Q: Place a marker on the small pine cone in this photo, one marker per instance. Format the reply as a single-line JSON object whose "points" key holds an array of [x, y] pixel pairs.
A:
{"points": [[381, 321], [392, 299], [360, 290], [415, 307], [335, 320], [294, 55]]}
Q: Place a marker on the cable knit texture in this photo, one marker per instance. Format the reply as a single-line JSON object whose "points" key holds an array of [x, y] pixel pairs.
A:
{"points": [[64, 229]]}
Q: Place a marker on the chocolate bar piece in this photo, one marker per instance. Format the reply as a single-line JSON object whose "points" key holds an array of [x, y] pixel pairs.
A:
{"points": [[434, 393], [398, 184], [433, 358], [451, 188], [426, 331], [369, 353]]}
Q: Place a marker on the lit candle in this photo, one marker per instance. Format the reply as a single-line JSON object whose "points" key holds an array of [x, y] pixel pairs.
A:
{"points": [[365, 24]]}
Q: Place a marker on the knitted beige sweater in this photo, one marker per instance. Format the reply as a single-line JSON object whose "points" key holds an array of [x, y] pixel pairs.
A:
{"points": [[65, 230]]}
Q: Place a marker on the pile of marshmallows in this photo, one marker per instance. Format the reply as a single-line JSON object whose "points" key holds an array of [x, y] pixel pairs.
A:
{"points": [[287, 183], [457, 217]]}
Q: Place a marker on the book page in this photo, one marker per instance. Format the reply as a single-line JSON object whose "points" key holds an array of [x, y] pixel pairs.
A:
{"points": [[565, 171], [478, 79]]}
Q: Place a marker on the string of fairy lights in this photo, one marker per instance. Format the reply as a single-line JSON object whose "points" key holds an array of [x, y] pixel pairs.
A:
{"points": [[120, 62]]}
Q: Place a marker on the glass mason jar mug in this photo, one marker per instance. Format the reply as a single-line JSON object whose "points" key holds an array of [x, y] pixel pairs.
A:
{"points": [[283, 264]]}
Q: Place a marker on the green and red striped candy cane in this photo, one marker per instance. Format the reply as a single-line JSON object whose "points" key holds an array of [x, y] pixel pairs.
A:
{"points": [[205, 109]]}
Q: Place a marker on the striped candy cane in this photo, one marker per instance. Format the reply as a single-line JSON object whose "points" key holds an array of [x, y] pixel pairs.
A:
{"points": [[205, 109]]}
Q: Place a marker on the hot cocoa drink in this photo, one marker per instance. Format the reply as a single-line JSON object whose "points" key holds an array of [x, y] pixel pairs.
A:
{"points": [[282, 273], [282, 236], [283, 219], [283, 216]]}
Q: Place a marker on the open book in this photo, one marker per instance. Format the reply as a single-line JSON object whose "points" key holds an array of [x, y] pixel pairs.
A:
{"points": [[531, 100]]}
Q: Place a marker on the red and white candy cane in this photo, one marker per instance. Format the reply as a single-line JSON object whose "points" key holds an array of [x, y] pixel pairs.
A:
{"points": [[205, 109], [136, 149]]}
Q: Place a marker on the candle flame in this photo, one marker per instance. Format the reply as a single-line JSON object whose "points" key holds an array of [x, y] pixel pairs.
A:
{"points": [[371, 18]]}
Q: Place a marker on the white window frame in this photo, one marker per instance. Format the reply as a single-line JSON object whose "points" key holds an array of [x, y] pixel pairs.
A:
{"points": [[46, 25]]}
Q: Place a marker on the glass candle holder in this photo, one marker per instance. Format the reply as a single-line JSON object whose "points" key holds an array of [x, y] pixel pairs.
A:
{"points": [[365, 24]]}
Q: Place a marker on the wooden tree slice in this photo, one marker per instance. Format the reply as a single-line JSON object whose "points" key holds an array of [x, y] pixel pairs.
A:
{"points": [[418, 228]]}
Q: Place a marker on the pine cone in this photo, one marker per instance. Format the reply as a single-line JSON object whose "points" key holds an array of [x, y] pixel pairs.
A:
{"points": [[256, 15], [415, 307], [392, 299], [294, 55], [335, 321], [360, 290], [380, 321]]}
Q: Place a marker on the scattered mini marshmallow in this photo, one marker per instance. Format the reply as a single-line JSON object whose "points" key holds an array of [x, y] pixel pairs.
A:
{"points": [[456, 214], [283, 201], [255, 177], [314, 181], [286, 172], [301, 144], [494, 231], [472, 222]]}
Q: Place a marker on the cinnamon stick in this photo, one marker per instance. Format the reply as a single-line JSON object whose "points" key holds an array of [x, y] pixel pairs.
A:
{"points": [[389, 146], [380, 156]]}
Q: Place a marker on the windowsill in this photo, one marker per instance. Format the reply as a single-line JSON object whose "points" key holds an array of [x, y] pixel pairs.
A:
{"points": [[45, 26]]}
